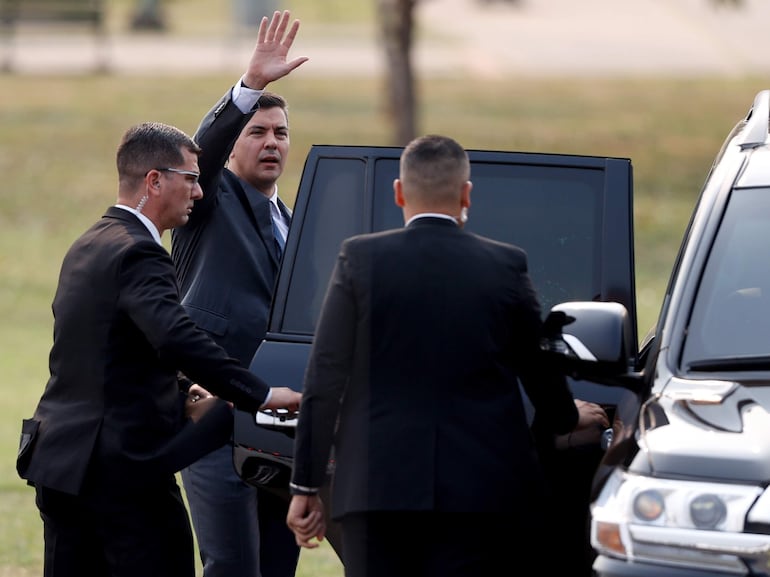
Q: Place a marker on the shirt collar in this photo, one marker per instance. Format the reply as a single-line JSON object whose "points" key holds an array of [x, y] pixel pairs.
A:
{"points": [[149, 225], [274, 197], [430, 215]]}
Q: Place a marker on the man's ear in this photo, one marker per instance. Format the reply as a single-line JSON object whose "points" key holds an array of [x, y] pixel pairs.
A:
{"points": [[398, 193], [465, 194], [152, 180]]}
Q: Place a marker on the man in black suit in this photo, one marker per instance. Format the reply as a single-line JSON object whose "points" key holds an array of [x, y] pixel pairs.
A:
{"points": [[110, 430], [227, 260], [413, 379]]}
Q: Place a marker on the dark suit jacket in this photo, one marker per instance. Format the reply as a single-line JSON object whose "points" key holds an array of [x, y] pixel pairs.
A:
{"points": [[421, 338], [112, 408], [226, 254]]}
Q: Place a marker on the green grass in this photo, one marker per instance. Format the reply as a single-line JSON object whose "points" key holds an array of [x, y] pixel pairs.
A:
{"points": [[57, 160]]}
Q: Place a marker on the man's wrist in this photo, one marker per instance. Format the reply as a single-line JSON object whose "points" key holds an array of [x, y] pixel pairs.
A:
{"points": [[268, 396], [252, 84], [295, 489], [245, 97]]}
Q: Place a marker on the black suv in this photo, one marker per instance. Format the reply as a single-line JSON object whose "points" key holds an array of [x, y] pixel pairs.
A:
{"points": [[573, 215], [682, 490]]}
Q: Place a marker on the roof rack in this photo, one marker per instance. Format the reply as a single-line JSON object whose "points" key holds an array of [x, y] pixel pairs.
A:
{"points": [[757, 120]]}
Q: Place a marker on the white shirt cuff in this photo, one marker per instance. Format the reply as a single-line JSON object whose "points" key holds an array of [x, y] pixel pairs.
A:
{"points": [[245, 98]]}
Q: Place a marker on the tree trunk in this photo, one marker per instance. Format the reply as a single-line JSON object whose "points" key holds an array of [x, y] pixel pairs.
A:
{"points": [[396, 25]]}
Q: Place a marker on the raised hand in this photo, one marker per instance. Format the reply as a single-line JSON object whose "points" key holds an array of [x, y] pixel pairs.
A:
{"points": [[268, 61]]}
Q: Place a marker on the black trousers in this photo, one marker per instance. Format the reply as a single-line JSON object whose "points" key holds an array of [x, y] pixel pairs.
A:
{"points": [[437, 544], [105, 533], [278, 550]]}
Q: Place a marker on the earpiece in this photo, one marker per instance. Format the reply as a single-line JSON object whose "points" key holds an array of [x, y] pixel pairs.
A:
{"points": [[464, 214], [142, 202]]}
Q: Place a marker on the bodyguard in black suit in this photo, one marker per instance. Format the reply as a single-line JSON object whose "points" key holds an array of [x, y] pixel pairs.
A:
{"points": [[413, 380], [110, 430], [227, 259]]}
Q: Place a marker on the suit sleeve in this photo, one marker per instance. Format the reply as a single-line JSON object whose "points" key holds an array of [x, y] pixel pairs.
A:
{"points": [[326, 378], [546, 387], [216, 135], [149, 296]]}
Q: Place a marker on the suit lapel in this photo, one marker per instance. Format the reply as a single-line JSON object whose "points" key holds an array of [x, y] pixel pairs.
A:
{"points": [[257, 207]]}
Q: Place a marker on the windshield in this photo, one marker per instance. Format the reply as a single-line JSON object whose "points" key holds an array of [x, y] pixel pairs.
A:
{"points": [[731, 313]]}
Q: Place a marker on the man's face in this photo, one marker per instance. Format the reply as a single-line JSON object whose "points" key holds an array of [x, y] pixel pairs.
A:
{"points": [[179, 191], [260, 152]]}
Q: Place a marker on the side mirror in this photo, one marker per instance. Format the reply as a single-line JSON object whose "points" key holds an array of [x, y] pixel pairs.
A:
{"points": [[589, 339]]}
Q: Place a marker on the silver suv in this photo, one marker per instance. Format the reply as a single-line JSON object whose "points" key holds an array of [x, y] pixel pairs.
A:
{"points": [[682, 490]]}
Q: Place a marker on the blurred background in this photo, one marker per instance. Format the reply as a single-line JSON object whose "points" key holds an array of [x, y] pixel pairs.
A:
{"points": [[658, 81]]}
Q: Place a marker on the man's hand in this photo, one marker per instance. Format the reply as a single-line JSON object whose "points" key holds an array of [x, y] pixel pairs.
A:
{"points": [[591, 416], [283, 398], [592, 422], [198, 402], [268, 62], [306, 520]]}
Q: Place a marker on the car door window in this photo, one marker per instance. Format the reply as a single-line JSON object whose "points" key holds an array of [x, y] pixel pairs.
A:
{"points": [[568, 213], [334, 212]]}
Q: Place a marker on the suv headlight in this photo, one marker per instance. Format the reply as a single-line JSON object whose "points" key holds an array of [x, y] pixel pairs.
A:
{"points": [[676, 522]]}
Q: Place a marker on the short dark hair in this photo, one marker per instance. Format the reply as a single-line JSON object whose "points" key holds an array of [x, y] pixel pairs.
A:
{"points": [[434, 166], [270, 100], [151, 145]]}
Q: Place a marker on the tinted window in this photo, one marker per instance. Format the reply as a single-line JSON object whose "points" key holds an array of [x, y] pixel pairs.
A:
{"points": [[335, 212], [386, 214], [555, 215], [553, 208], [552, 213], [731, 311]]}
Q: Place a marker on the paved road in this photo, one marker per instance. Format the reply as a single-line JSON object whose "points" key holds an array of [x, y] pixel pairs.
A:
{"points": [[610, 37], [467, 38]]}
